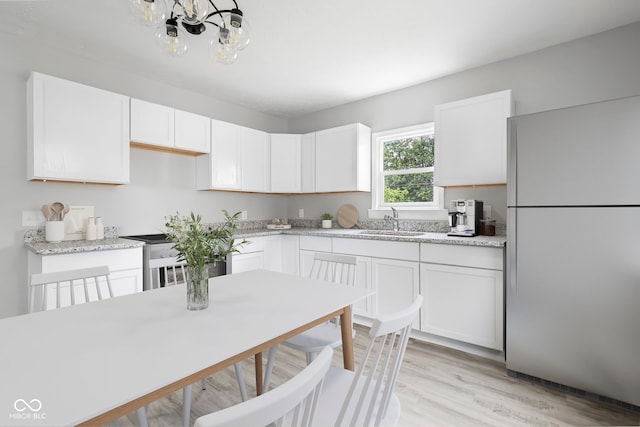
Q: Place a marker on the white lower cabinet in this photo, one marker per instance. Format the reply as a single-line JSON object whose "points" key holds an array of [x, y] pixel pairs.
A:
{"points": [[264, 252], [125, 267], [463, 291], [463, 303], [397, 284]]}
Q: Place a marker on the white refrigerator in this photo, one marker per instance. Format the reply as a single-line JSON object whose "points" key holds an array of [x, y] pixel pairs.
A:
{"points": [[573, 248]]}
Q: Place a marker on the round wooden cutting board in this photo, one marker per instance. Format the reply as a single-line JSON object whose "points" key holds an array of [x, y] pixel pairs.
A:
{"points": [[347, 216]]}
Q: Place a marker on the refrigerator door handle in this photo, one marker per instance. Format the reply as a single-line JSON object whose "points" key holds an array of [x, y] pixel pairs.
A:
{"points": [[512, 250]]}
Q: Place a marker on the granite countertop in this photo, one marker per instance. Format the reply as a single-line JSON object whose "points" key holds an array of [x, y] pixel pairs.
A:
{"points": [[75, 246], [421, 237]]}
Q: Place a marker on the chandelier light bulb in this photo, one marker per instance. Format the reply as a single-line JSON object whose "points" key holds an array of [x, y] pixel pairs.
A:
{"points": [[239, 29], [195, 11], [220, 49], [172, 39], [148, 12]]}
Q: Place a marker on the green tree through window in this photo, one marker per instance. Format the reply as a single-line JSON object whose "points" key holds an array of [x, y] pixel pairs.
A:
{"points": [[408, 169]]}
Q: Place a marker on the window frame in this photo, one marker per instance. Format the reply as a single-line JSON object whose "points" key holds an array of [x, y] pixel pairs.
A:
{"points": [[377, 173]]}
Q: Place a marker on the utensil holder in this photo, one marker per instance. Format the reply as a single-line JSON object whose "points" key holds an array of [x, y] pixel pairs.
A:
{"points": [[54, 231]]}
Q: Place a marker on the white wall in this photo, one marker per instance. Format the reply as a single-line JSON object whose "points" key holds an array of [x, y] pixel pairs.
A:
{"points": [[603, 66], [161, 183]]}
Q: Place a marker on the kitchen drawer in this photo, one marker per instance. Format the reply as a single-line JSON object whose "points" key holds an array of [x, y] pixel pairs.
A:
{"points": [[117, 259], [314, 243], [408, 251], [466, 256]]}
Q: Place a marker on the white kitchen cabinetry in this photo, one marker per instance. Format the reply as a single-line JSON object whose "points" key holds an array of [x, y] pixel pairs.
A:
{"points": [[125, 266], [286, 171], [308, 161], [239, 160], [343, 159], [76, 132], [264, 252], [463, 289], [162, 126], [254, 160], [389, 268], [471, 140], [220, 170]]}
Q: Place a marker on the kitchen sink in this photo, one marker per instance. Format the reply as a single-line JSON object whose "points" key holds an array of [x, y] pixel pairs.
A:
{"points": [[392, 233]]}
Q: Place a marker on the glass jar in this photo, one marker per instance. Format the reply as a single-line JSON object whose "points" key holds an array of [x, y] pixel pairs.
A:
{"points": [[487, 227]]}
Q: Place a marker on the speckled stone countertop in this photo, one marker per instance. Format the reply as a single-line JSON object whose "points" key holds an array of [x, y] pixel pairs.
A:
{"points": [[35, 243], [423, 237], [75, 246]]}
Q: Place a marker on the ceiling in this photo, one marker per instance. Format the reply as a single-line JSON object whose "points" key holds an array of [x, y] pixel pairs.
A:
{"points": [[307, 56]]}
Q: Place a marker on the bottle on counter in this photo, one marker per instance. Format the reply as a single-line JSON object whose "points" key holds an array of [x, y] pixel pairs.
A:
{"points": [[91, 229], [99, 228]]}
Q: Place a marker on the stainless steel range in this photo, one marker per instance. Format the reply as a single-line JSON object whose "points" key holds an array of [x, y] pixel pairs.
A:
{"points": [[156, 246]]}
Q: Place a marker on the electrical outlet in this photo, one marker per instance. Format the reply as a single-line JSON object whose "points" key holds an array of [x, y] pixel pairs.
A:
{"points": [[300, 213], [243, 215], [32, 219]]}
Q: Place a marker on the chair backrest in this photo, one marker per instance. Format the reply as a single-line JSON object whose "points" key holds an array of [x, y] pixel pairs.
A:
{"points": [[69, 287], [166, 272], [372, 387], [291, 404], [334, 268]]}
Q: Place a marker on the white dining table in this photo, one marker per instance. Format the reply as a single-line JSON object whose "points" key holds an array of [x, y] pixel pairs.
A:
{"points": [[92, 363]]}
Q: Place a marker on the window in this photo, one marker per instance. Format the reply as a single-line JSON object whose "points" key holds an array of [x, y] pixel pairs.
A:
{"points": [[403, 163]]}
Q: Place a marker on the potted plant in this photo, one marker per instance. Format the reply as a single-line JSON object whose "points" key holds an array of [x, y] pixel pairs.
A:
{"points": [[326, 220], [203, 248]]}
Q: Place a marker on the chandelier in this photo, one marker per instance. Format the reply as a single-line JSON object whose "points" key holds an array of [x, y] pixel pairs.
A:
{"points": [[231, 30]]}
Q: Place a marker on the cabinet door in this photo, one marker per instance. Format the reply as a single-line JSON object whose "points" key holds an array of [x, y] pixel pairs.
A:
{"points": [[254, 160], [152, 124], [463, 303], [247, 262], [290, 254], [76, 132], [343, 159], [397, 285], [224, 161], [285, 163], [308, 163], [192, 132], [471, 140]]}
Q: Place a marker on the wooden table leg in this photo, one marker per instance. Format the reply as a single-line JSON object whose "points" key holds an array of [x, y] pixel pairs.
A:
{"points": [[347, 339], [258, 362]]}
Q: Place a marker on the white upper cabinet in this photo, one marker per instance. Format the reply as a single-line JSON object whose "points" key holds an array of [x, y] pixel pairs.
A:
{"points": [[286, 170], [220, 170], [192, 132], [343, 159], [152, 124], [162, 126], [308, 163], [254, 160], [239, 160], [76, 132], [471, 140]]}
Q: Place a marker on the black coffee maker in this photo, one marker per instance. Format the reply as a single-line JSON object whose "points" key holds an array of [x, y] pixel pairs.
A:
{"points": [[464, 217]]}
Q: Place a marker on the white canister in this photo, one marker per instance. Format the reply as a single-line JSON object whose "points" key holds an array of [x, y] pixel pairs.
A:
{"points": [[326, 223], [91, 233], [99, 228], [54, 231]]}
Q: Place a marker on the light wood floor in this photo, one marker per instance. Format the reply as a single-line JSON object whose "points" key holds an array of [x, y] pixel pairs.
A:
{"points": [[437, 387]]}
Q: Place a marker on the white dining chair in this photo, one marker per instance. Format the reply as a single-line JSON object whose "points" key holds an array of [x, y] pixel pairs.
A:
{"points": [[291, 404], [366, 397], [170, 272], [334, 268], [71, 287]]}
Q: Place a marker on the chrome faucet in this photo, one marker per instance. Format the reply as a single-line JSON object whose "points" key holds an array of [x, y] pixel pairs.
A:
{"points": [[393, 219]]}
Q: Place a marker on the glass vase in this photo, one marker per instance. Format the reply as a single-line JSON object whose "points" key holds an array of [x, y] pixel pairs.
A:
{"points": [[197, 287]]}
